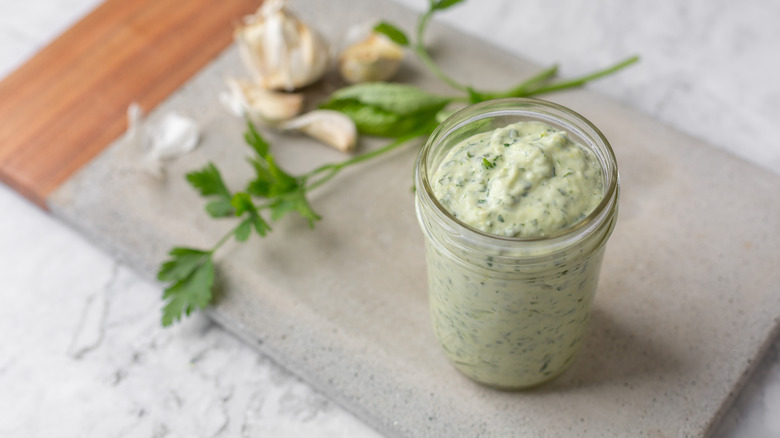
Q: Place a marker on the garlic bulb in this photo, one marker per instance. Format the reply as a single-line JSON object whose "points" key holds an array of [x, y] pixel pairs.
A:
{"points": [[259, 104], [330, 127], [280, 51], [376, 58]]}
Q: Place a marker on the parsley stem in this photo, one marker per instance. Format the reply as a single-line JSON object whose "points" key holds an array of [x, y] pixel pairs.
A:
{"points": [[224, 239], [334, 168]]}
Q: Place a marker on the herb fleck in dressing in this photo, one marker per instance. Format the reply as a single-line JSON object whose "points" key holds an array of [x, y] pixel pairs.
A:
{"points": [[504, 324], [524, 180]]}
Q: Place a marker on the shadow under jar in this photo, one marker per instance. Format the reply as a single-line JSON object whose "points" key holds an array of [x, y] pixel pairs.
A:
{"points": [[511, 311]]}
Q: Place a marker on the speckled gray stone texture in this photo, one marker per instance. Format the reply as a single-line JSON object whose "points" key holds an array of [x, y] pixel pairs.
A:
{"points": [[688, 299]]}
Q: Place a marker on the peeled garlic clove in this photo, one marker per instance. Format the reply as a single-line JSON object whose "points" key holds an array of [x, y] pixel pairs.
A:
{"points": [[376, 58], [262, 105], [280, 51], [330, 127]]}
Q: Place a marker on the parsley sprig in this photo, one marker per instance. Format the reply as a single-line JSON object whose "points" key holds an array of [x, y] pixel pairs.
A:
{"points": [[273, 193], [398, 111]]}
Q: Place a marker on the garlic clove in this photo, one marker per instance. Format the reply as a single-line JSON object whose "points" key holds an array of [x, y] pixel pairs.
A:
{"points": [[261, 105], [280, 51], [376, 58], [169, 137], [330, 127], [174, 135]]}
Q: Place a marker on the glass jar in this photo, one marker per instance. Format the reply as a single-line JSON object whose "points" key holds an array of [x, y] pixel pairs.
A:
{"points": [[512, 312]]}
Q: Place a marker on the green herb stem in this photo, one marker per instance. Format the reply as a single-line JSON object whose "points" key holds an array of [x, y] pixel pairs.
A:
{"points": [[223, 239], [422, 53], [334, 168], [529, 84], [582, 80], [531, 87]]}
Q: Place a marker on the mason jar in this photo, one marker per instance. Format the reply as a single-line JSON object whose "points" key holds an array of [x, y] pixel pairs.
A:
{"points": [[512, 312]]}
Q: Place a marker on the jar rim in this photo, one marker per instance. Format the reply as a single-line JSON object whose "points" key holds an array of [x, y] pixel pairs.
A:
{"points": [[534, 110]]}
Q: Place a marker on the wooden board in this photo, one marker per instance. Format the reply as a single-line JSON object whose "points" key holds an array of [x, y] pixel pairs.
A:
{"points": [[69, 101]]}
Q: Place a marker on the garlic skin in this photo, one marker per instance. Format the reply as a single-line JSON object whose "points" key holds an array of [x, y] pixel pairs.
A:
{"points": [[259, 104], [280, 51], [167, 138], [376, 58], [330, 127]]}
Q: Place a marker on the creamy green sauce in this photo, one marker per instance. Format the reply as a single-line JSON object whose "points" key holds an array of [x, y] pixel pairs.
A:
{"points": [[510, 332], [514, 326], [524, 180]]}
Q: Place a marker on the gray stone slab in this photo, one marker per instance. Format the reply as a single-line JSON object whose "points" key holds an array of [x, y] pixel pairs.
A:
{"points": [[688, 300]]}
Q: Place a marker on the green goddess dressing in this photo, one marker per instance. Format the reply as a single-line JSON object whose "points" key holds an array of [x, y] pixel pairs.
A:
{"points": [[526, 180]]}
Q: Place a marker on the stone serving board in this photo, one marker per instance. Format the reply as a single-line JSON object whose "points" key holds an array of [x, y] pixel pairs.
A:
{"points": [[689, 295]]}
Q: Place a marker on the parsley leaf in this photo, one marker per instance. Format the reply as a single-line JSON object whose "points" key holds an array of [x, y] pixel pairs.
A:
{"points": [[270, 181], [183, 262], [281, 182], [295, 201], [192, 273], [219, 208], [261, 185], [243, 230], [256, 141], [242, 202], [208, 182]]}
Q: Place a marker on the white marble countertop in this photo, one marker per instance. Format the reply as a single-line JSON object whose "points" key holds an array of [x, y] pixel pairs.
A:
{"points": [[81, 349]]}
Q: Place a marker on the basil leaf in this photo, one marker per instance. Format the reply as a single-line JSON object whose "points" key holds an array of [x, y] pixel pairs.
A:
{"points": [[400, 99], [395, 34], [440, 5], [369, 120], [373, 121], [387, 109]]}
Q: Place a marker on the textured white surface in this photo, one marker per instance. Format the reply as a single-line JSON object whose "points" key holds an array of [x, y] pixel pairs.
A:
{"points": [[81, 352]]}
